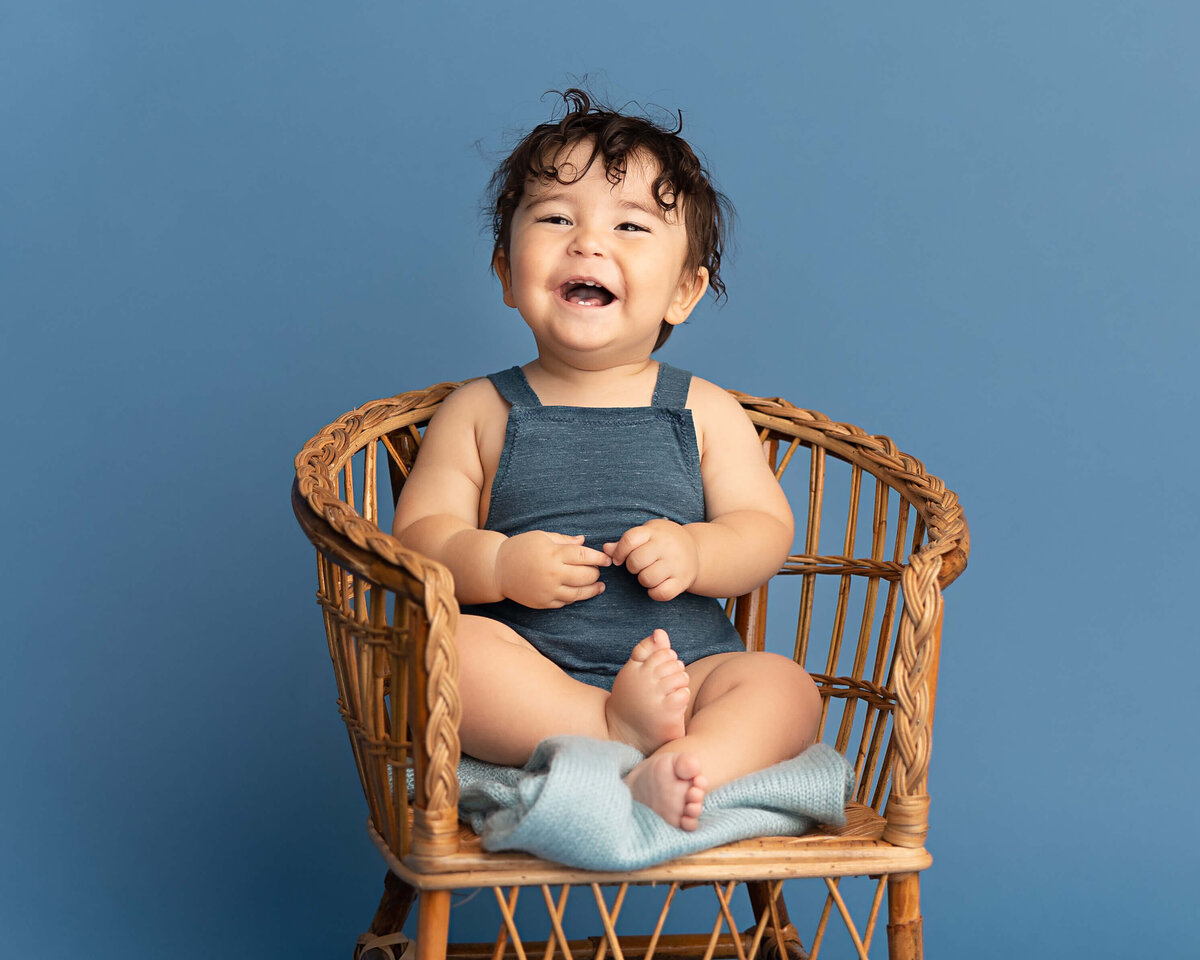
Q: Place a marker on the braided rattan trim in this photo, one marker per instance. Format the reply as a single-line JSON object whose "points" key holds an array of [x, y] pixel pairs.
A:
{"points": [[445, 706], [915, 649], [318, 463]]}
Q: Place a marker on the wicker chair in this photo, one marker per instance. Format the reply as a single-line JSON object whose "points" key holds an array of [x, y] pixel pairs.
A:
{"points": [[390, 618]]}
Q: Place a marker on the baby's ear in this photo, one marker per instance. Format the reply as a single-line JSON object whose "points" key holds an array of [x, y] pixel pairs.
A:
{"points": [[687, 295], [503, 272]]}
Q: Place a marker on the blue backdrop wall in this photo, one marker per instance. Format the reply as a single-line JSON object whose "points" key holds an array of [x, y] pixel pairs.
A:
{"points": [[971, 227]]}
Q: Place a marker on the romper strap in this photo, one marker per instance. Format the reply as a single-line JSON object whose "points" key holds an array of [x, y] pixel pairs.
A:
{"points": [[672, 387], [514, 388]]}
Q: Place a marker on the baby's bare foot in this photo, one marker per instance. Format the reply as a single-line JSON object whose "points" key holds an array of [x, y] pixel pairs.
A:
{"points": [[670, 784], [649, 696]]}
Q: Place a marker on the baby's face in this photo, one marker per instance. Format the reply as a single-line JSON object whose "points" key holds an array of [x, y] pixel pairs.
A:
{"points": [[594, 267]]}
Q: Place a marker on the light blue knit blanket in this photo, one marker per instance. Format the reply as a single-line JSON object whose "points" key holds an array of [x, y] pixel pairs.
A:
{"points": [[569, 804]]}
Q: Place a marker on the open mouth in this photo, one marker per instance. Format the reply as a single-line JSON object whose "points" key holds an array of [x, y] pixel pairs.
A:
{"points": [[586, 293]]}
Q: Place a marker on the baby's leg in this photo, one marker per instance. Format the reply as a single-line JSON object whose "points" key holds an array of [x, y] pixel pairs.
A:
{"points": [[513, 697], [749, 711], [649, 696]]}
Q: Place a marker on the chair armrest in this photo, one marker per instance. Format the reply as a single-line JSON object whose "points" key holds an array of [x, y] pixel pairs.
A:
{"points": [[915, 680], [435, 712], [425, 639]]}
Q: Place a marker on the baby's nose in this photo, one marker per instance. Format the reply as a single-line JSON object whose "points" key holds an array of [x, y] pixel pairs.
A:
{"points": [[587, 242]]}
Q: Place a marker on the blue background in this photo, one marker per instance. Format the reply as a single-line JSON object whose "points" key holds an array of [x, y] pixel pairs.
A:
{"points": [[971, 227]]}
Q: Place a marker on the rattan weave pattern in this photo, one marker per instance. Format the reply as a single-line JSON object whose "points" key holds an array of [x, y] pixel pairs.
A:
{"points": [[948, 537], [361, 566], [317, 467]]}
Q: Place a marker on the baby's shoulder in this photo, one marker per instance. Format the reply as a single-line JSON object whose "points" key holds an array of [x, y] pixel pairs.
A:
{"points": [[475, 408], [718, 416], [705, 398], [473, 399]]}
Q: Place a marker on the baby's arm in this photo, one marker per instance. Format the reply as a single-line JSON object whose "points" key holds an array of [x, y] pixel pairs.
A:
{"points": [[748, 530], [438, 515]]}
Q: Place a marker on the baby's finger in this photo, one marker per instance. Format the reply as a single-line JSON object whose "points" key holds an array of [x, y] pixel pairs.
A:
{"points": [[586, 556], [669, 589], [576, 594], [651, 575], [580, 575], [630, 541], [640, 558]]}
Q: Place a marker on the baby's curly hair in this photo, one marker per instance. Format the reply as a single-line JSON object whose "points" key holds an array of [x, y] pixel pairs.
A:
{"points": [[614, 135]]}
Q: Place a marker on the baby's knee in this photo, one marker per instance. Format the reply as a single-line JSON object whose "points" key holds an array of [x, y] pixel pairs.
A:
{"points": [[785, 673], [772, 674], [475, 630], [793, 695]]}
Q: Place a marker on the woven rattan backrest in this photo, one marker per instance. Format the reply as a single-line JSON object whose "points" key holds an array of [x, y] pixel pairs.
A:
{"points": [[861, 509], [866, 516]]}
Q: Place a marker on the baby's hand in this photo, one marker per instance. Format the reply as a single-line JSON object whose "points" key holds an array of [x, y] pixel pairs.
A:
{"points": [[548, 570], [662, 554]]}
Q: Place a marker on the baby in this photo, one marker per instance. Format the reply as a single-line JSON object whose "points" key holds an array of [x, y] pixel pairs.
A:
{"points": [[592, 503]]}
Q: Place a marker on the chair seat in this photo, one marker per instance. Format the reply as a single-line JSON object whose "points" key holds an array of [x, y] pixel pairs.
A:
{"points": [[852, 849]]}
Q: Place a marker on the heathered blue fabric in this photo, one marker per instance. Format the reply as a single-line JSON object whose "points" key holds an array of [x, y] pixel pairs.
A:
{"points": [[569, 804], [598, 471]]}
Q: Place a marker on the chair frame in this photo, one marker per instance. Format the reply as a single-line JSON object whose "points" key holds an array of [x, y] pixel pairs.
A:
{"points": [[391, 616]]}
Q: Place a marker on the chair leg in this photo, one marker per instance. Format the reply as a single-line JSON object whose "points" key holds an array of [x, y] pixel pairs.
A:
{"points": [[760, 901], [394, 906], [904, 917], [433, 924]]}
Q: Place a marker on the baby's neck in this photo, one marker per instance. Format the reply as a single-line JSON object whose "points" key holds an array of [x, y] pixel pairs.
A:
{"points": [[629, 385]]}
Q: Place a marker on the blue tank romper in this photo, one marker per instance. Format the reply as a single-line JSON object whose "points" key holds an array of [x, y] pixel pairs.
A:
{"points": [[598, 471]]}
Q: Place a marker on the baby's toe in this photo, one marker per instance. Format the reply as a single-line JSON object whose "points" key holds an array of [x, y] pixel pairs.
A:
{"points": [[687, 767], [657, 643], [673, 683], [665, 662], [660, 660], [642, 649]]}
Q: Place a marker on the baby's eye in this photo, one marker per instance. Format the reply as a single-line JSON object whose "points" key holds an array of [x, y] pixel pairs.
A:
{"points": [[555, 219], [631, 227]]}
